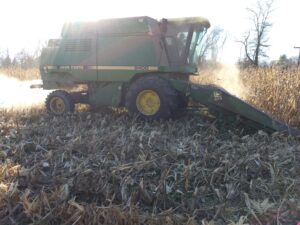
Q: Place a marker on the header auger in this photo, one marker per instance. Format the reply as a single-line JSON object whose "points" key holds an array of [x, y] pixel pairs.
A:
{"points": [[140, 63]]}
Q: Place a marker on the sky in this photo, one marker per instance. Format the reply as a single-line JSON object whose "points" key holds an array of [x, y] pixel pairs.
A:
{"points": [[28, 24]]}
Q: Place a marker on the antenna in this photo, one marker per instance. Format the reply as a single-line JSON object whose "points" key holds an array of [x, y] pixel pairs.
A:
{"points": [[298, 56]]}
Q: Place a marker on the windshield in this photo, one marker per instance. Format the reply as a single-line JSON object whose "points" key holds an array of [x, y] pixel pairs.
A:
{"points": [[195, 47], [181, 44], [176, 40]]}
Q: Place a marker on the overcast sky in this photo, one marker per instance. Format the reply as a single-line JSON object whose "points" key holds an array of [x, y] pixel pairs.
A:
{"points": [[24, 24]]}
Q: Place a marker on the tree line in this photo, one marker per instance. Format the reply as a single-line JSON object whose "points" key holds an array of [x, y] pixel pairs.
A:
{"points": [[22, 59]]}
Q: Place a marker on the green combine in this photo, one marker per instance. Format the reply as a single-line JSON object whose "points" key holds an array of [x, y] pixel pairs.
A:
{"points": [[142, 64]]}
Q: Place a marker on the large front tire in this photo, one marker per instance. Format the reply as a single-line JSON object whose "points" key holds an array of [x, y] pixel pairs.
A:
{"points": [[151, 98], [59, 102]]}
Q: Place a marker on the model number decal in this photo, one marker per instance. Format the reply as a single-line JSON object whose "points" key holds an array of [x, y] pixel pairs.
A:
{"points": [[142, 68], [217, 96]]}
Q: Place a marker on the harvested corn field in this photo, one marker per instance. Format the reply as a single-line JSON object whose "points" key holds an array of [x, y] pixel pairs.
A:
{"points": [[103, 125], [107, 168]]}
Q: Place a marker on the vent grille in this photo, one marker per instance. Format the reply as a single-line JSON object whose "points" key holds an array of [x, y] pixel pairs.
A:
{"points": [[78, 45]]}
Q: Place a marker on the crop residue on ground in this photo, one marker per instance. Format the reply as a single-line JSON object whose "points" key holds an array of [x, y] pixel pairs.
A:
{"points": [[106, 168]]}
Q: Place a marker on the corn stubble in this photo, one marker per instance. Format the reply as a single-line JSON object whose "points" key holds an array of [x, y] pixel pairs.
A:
{"points": [[106, 168]]}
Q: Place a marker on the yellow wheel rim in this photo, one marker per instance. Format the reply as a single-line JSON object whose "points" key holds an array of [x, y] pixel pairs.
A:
{"points": [[57, 105], [148, 102]]}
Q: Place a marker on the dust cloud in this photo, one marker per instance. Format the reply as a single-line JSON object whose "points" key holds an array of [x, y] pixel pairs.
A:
{"points": [[18, 94], [226, 76]]}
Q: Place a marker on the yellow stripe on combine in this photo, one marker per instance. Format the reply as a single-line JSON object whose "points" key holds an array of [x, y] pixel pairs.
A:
{"points": [[141, 68], [146, 68]]}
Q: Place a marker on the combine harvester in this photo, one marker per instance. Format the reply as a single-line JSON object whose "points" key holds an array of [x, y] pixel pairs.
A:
{"points": [[142, 64]]}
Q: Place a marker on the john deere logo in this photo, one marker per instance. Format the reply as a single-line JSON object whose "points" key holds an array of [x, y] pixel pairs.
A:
{"points": [[217, 96], [142, 68]]}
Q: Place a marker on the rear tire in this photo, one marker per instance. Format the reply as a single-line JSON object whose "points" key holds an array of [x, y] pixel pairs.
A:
{"points": [[151, 98], [183, 102], [59, 102]]}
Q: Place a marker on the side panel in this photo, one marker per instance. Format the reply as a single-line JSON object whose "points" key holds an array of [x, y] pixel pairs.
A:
{"points": [[119, 58], [75, 59], [105, 94]]}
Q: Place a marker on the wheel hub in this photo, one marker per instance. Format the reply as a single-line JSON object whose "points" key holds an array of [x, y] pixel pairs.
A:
{"points": [[57, 105], [148, 102]]}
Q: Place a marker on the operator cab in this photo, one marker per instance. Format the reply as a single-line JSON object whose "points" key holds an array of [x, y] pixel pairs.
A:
{"points": [[182, 37]]}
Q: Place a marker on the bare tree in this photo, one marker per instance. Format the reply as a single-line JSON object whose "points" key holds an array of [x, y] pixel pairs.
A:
{"points": [[255, 41], [212, 44], [5, 60]]}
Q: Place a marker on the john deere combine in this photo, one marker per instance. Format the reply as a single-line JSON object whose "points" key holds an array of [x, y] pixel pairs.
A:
{"points": [[140, 63]]}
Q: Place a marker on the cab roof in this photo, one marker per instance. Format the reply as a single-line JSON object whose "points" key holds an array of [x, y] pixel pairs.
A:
{"points": [[142, 24], [190, 21], [110, 26]]}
